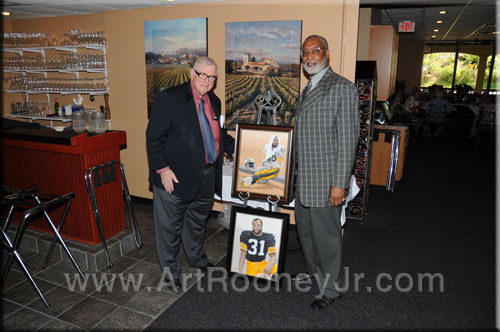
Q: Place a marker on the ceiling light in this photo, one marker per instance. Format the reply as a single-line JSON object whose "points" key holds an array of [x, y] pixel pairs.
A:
{"points": [[436, 30], [442, 12], [433, 36], [6, 13], [169, 0], [439, 22]]}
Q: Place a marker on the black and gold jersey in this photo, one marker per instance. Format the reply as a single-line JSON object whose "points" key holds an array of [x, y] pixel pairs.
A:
{"points": [[257, 247]]}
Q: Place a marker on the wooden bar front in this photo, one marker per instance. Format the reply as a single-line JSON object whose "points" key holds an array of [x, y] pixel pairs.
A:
{"points": [[381, 155], [56, 165]]}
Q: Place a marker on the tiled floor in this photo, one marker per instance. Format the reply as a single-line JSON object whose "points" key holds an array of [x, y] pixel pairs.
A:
{"points": [[112, 299]]}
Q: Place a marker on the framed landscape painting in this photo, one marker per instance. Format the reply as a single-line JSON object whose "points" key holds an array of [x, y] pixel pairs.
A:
{"points": [[172, 47], [260, 57]]}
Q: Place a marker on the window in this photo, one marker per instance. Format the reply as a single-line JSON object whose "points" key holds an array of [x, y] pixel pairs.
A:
{"points": [[495, 80], [437, 68], [467, 69]]}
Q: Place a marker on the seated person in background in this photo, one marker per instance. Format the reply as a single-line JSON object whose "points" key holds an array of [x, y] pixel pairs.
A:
{"points": [[485, 118], [415, 106], [437, 110], [414, 103]]}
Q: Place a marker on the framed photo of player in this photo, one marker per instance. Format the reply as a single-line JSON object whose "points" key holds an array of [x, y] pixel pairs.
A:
{"points": [[257, 242], [263, 162]]}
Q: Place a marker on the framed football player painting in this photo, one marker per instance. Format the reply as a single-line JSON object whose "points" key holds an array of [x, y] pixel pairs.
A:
{"points": [[263, 162], [257, 242]]}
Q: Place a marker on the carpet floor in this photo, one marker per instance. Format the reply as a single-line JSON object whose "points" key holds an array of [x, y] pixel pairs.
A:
{"points": [[439, 222]]}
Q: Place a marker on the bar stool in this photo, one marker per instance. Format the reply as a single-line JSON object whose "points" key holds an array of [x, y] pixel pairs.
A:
{"points": [[101, 175], [34, 203]]}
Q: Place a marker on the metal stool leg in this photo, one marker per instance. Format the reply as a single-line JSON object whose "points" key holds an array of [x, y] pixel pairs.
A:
{"points": [[95, 211], [95, 208], [393, 164], [133, 221], [7, 219], [57, 236], [14, 253]]}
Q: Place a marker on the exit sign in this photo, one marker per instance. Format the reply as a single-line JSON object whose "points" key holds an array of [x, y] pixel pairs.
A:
{"points": [[406, 26]]}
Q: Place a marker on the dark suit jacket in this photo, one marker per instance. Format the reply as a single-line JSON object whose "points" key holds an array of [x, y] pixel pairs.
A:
{"points": [[174, 139]]}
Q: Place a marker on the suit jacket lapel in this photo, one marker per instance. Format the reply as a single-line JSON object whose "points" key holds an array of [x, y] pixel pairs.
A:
{"points": [[194, 113], [213, 102], [190, 100], [312, 97], [315, 94], [211, 96]]}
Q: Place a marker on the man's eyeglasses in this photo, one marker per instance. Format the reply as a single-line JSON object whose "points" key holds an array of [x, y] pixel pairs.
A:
{"points": [[204, 76], [313, 51]]}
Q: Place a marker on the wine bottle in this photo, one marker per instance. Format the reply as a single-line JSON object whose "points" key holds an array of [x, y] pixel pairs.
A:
{"points": [[56, 107]]}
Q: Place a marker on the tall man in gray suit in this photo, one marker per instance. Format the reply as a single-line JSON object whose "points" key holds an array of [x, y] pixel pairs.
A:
{"points": [[326, 136]]}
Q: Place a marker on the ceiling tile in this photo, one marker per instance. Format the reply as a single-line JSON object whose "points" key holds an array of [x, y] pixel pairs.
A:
{"points": [[81, 7]]}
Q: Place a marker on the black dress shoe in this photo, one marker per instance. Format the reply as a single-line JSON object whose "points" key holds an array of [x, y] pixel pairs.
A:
{"points": [[174, 285], [323, 302], [301, 276]]}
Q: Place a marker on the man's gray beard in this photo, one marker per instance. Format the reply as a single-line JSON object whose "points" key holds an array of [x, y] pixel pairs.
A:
{"points": [[316, 69]]}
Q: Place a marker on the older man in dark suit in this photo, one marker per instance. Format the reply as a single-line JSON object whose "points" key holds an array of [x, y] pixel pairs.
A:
{"points": [[326, 136], [184, 144]]}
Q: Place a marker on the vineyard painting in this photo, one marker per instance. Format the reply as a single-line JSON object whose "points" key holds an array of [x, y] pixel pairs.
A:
{"points": [[260, 57], [172, 47]]}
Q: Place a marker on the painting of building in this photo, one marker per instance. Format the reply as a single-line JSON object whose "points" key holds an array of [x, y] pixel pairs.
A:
{"points": [[260, 57], [172, 47]]}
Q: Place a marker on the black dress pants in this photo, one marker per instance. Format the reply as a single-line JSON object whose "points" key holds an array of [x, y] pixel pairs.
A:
{"points": [[177, 219]]}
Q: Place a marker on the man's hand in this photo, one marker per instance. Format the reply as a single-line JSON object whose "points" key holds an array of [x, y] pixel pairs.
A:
{"points": [[167, 179], [337, 196]]}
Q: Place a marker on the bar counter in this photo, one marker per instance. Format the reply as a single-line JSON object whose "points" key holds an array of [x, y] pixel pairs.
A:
{"points": [[54, 163]]}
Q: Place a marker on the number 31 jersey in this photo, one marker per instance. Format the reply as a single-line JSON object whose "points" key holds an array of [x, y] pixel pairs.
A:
{"points": [[257, 247]]}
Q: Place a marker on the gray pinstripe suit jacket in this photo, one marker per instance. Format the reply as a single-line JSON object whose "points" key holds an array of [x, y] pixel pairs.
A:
{"points": [[325, 139]]}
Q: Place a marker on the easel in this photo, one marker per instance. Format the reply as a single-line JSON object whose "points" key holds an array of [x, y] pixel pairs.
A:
{"points": [[268, 102], [273, 204]]}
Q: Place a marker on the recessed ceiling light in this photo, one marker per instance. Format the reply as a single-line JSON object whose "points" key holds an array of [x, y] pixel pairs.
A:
{"points": [[442, 12], [439, 22], [6, 13], [169, 0], [433, 36], [436, 30]]}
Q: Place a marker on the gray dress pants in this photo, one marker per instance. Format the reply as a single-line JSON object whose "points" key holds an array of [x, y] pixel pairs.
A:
{"points": [[177, 219], [320, 235]]}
